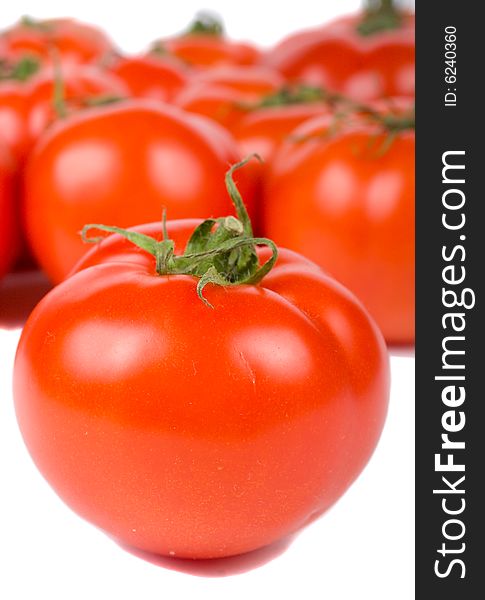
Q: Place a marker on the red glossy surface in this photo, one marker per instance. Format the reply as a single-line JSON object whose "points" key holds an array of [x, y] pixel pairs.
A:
{"points": [[9, 231], [197, 432], [219, 103], [150, 76], [253, 80], [347, 203], [263, 130], [13, 119], [122, 164], [225, 94]]}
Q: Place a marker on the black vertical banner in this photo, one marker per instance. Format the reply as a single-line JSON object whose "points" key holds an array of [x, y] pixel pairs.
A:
{"points": [[450, 337]]}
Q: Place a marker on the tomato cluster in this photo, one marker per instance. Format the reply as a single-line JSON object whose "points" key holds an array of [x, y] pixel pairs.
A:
{"points": [[184, 388]]}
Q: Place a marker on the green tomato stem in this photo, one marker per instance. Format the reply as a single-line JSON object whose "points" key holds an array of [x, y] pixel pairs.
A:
{"points": [[205, 24], [221, 251], [59, 96], [22, 70], [379, 15]]}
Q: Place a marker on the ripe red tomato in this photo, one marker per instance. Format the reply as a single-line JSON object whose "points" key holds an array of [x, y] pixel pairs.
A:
{"points": [[192, 431], [13, 119], [204, 51], [204, 45], [72, 40], [347, 202], [337, 57], [255, 81], [13, 77], [9, 234], [221, 104], [264, 129], [27, 108], [122, 164], [150, 76], [225, 94], [82, 86]]}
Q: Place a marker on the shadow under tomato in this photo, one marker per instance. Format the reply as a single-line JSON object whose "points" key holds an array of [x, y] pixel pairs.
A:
{"points": [[216, 567], [19, 293]]}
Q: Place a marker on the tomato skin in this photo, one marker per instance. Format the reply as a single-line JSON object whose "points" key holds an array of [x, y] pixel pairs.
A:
{"points": [[149, 76], [74, 41], [263, 130], [13, 119], [225, 94], [203, 51], [336, 57], [142, 433], [351, 210], [122, 164], [255, 81], [9, 234], [221, 104], [81, 84], [27, 109]]}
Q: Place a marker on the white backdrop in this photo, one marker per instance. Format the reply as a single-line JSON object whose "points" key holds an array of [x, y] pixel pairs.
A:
{"points": [[363, 548], [134, 24]]}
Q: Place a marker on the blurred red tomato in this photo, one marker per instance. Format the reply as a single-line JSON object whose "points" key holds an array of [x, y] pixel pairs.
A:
{"points": [[338, 57], [13, 118], [80, 86], [27, 108], [217, 102], [205, 51], [66, 39], [123, 164], [346, 201], [225, 94], [264, 129], [149, 76], [204, 44], [255, 81]]}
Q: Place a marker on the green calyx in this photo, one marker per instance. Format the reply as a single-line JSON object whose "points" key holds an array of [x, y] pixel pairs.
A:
{"points": [[159, 50], [305, 94], [393, 123], [300, 94], [59, 95], [379, 15], [341, 104], [59, 101], [221, 251], [297, 94], [398, 123], [205, 24], [44, 26], [21, 70], [103, 100]]}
